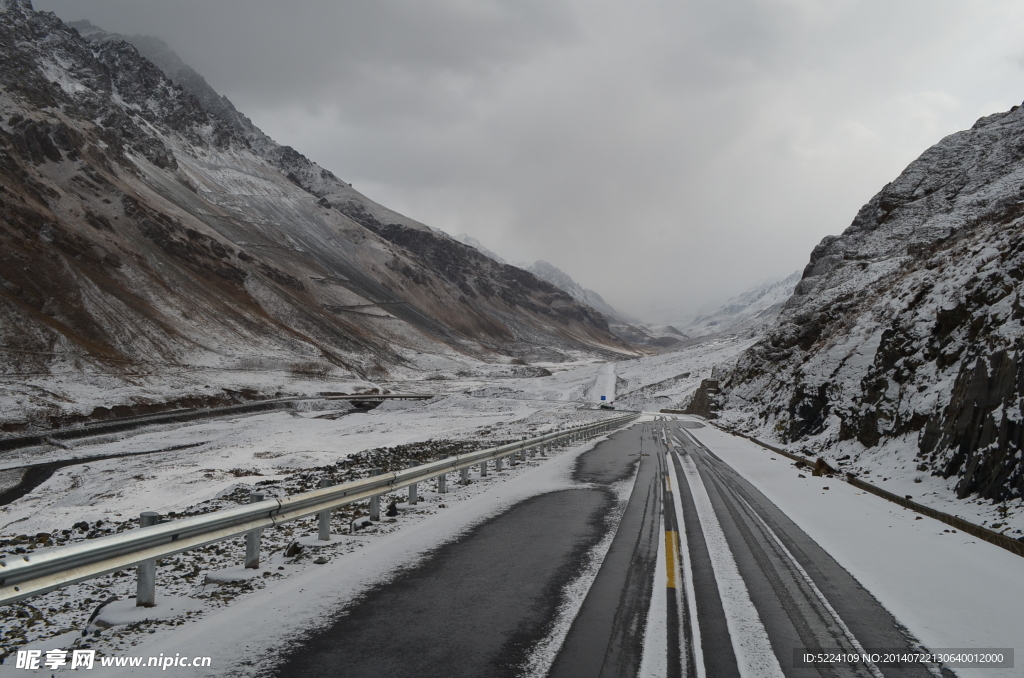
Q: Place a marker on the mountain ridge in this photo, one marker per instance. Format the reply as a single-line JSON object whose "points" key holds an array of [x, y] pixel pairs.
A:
{"points": [[758, 306], [904, 338], [141, 231]]}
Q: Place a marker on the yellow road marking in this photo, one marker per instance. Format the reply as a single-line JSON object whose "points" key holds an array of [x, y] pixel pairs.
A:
{"points": [[671, 546]]}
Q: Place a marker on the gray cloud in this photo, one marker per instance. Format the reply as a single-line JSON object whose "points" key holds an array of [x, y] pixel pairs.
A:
{"points": [[666, 154]]}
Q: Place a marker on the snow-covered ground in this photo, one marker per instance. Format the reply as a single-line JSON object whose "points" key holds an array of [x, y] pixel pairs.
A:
{"points": [[948, 588], [653, 382], [239, 451], [895, 465], [216, 463], [289, 451]]}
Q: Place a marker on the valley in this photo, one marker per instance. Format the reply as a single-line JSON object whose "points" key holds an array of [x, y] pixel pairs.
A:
{"points": [[252, 416]]}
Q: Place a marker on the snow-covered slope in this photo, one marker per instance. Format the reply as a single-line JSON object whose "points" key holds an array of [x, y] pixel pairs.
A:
{"points": [[144, 236], [903, 343], [757, 307], [563, 281]]}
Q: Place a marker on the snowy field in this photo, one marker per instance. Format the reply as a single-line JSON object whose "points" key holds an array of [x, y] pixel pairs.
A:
{"points": [[236, 452], [653, 382], [893, 465], [216, 463]]}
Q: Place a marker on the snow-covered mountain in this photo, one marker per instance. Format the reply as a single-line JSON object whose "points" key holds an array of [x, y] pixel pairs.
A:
{"points": [[757, 307], [629, 329], [563, 281], [148, 228], [904, 339], [626, 327]]}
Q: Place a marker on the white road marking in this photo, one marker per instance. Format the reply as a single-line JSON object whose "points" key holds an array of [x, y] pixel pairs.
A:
{"points": [[754, 655]]}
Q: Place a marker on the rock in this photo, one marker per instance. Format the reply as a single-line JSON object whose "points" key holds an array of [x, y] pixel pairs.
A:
{"points": [[821, 468], [705, 401]]}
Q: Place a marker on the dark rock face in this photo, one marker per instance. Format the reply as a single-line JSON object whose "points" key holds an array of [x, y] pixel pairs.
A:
{"points": [[705, 401], [907, 328], [983, 426]]}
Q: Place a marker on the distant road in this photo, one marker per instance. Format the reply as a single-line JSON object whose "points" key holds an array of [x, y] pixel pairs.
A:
{"points": [[604, 384], [703, 574]]}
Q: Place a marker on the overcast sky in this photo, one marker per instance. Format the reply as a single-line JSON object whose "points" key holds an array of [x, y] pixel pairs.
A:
{"points": [[666, 153]]}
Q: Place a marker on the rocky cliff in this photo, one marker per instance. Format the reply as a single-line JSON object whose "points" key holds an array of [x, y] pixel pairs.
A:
{"points": [[905, 332]]}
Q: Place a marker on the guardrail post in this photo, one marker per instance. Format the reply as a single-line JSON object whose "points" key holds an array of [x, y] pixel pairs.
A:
{"points": [[252, 538], [464, 476], [442, 483], [375, 499], [512, 459], [483, 468], [145, 593], [325, 516], [497, 464]]}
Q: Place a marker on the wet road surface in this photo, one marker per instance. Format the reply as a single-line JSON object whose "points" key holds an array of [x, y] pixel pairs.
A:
{"points": [[477, 606], [606, 638], [744, 587]]}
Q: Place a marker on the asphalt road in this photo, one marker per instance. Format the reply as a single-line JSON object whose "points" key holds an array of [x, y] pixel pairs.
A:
{"points": [[803, 597], [480, 605], [477, 606]]}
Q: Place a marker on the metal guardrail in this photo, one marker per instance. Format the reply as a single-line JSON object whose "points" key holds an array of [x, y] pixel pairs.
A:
{"points": [[378, 396], [24, 576]]}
